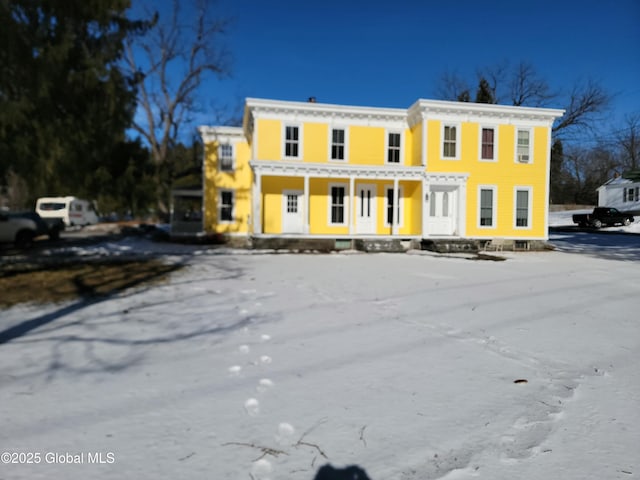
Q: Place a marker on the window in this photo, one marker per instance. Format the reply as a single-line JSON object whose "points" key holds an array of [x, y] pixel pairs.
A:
{"points": [[337, 143], [225, 153], [523, 150], [522, 208], [292, 203], [226, 206], [291, 141], [487, 146], [487, 195], [393, 148], [390, 219], [337, 205], [450, 141], [631, 194]]}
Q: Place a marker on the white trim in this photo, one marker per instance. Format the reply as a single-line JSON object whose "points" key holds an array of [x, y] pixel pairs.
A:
{"points": [[458, 128], [339, 170], [219, 206], [494, 207], [387, 132], [221, 134], [515, 141], [529, 191], [398, 212], [322, 112], [284, 140], [346, 216], [482, 126], [345, 128], [482, 113], [257, 204]]}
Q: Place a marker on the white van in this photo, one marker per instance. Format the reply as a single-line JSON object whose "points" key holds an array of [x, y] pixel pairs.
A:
{"points": [[73, 211]]}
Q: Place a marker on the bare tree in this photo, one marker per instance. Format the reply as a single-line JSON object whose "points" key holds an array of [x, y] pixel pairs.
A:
{"points": [[628, 141], [586, 101], [172, 61], [528, 88], [452, 86], [521, 85]]}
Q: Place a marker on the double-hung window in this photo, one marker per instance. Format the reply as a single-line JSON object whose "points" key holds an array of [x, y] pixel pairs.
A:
{"points": [[337, 143], [450, 141], [523, 145], [394, 142], [522, 208], [225, 206], [225, 156], [487, 206], [337, 205], [487, 145], [630, 194], [292, 141]]}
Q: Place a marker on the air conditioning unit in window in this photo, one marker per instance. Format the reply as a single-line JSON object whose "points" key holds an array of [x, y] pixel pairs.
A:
{"points": [[523, 158]]}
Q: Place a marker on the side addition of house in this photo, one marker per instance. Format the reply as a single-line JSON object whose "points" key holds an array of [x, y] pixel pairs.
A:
{"points": [[436, 170]]}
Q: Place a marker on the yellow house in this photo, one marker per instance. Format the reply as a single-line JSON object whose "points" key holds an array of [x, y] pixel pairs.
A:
{"points": [[437, 170]]}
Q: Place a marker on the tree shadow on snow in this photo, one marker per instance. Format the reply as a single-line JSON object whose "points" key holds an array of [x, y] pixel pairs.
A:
{"points": [[82, 342], [606, 245]]}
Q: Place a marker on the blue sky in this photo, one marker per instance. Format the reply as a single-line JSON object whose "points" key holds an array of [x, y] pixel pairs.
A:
{"points": [[389, 54]]}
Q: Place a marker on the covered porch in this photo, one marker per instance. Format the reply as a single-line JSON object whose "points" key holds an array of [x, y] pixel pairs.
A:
{"points": [[336, 201]]}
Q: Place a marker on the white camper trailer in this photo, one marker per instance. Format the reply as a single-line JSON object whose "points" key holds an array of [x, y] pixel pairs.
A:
{"points": [[73, 211]]}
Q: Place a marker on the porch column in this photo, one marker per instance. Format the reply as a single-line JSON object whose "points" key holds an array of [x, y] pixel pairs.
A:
{"points": [[351, 204], [257, 198], [395, 215], [306, 204]]}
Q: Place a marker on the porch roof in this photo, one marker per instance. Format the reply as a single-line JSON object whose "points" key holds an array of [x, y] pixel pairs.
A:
{"points": [[324, 170]]}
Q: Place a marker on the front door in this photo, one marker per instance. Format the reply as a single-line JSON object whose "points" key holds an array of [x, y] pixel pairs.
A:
{"points": [[366, 209], [292, 212], [442, 211]]}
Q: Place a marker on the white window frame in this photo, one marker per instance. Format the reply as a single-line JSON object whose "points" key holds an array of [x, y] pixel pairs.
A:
{"points": [[399, 209], [494, 207], [345, 144], [346, 207], [530, 149], [233, 205], [529, 191], [457, 143], [233, 157], [386, 147], [284, 140], [495, 143]]}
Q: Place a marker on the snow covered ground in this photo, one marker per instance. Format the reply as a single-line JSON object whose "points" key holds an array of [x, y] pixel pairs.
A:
{"points": [[413, 366]]}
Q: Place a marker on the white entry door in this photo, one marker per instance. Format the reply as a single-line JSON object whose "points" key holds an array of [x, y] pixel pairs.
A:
{"points": [[366, 209], [292, 212], [442, 211]]}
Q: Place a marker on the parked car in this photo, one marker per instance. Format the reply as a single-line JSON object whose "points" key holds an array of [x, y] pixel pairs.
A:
{"points": [[603, 216], [50, 227], [22, 228]]}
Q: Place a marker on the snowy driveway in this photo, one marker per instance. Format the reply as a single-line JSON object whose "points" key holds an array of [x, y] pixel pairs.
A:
{"points": [[268, 366]]}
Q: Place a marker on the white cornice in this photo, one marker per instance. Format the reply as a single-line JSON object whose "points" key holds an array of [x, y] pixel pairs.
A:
{"points": [[225, 134], [301, 169], [325, 112], [480, 112]]}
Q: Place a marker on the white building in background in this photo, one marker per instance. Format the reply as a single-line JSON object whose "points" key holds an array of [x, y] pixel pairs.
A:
{"points": [[621, 193]]}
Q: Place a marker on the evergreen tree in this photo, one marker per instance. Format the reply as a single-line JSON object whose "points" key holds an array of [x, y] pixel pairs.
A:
{"points": [[64, 103], [484, 93]]}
